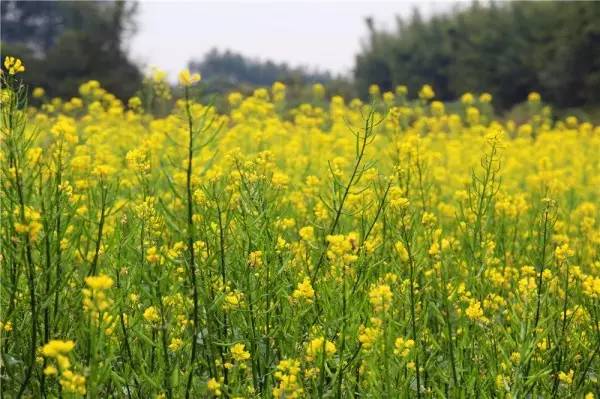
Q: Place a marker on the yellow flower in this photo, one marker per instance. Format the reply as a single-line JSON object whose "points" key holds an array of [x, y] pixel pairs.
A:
{"points": [[428, 219], [153, 256], [288, 382], [233, 300], [94, 298], [278, 90], [315, 348], [235, 98], [34, 154], [534, 97], [137, 159], [176, 344], [134, 103], [151, 314], [13, 65], [374, 90], [63, 362], [515, 357], [402, 346], [426, 92], [280, 180], [38, 92], [399, 202], [318, 90], [388, 98], [342, 247], [401, 90], [485, 98], [368, 335], [255, 259], [467, 99], [187, 79], [239, 353], [72, 382], [101, 282], [57, 347], [32, 226], [474, 312], [402, 251], [103, 171], [304, 291], [214, 387], [563, 252], [571, 121], [381, 297], [437, 108], [566, 378], [473, 115], [7, 327], [502, 381], [307, 233]]}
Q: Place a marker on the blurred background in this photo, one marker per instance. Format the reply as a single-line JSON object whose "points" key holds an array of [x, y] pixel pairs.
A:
{"points": [[505, 48]]}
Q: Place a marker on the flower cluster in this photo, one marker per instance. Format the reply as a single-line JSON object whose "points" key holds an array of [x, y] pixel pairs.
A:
{"points": [[295, 243], [59, 351]]}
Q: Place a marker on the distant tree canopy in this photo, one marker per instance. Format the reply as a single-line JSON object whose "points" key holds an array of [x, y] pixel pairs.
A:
{"points": [[64, 43], [224, 70], [506, 49]]}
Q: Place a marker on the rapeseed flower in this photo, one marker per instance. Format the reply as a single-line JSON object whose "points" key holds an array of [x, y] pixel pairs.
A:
{"points": [[187, 79], [319, 346], [239, 353], [304, 291], [13, 65]]}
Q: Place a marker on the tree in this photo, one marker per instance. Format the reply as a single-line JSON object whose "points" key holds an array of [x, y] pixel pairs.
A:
{"points": [[65, 43], [508, 49], [223, 70]]}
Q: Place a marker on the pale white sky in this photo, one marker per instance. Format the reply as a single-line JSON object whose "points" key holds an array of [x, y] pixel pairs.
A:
{"points": [[316, 34]]}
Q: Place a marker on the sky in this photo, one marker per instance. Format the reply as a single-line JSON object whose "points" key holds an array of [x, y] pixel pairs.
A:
{"points": [[323, 35]]}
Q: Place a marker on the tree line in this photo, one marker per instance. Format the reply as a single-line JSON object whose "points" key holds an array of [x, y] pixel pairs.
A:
{"points": [[65, 43], [507, 49]]}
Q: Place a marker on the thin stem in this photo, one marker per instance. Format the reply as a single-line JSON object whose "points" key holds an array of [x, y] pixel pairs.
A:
{"points": [[190, 240]]}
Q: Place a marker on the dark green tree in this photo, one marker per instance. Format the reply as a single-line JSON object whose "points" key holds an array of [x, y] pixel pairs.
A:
{"points": [[64, 43], [225, 70], [508, 49]]}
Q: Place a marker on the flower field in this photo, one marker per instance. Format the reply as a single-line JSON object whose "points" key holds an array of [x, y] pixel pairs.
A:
{"points": [[397, 248]]}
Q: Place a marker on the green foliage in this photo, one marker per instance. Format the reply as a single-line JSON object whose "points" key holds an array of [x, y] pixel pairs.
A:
{"points": [[66, 43], [507, 49], [328, 251], [223, 70]]}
